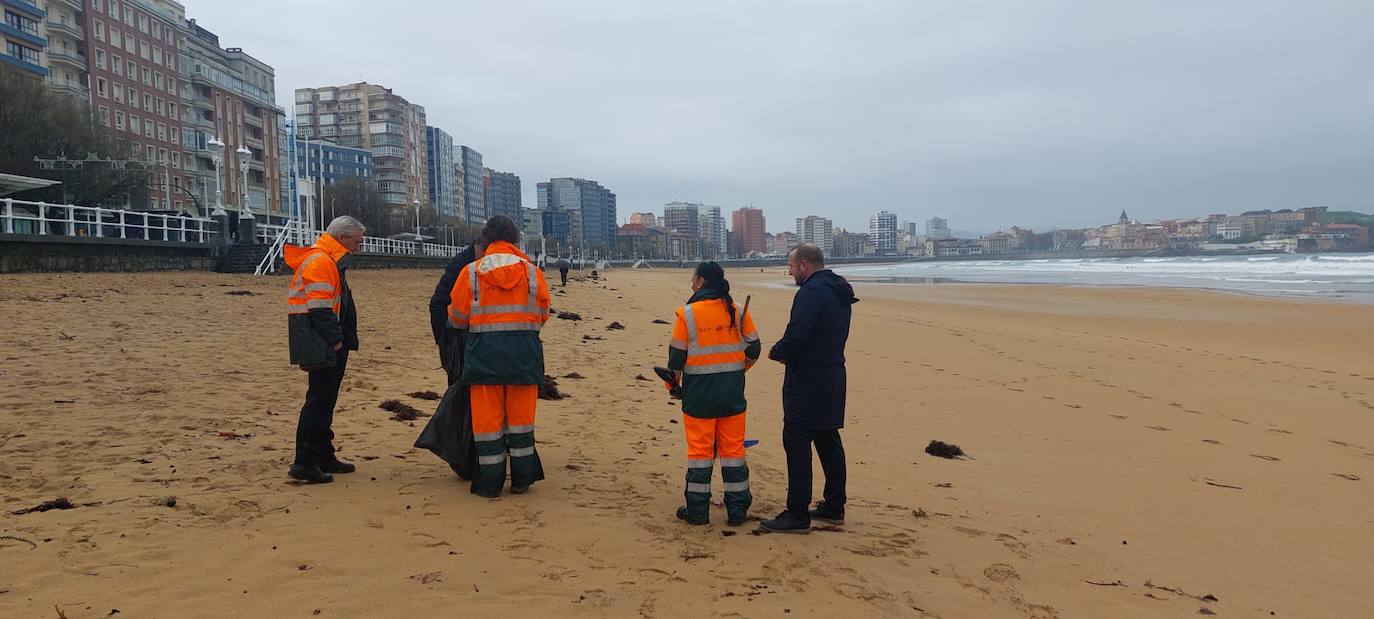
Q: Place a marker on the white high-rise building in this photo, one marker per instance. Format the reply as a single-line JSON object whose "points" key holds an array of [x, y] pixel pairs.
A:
{"points": [[818, 231], [882, 232], [938, 228]]}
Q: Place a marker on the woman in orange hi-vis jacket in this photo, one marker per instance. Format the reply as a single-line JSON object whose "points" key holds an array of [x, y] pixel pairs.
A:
{"points": [[501, 300], [713, 344]]}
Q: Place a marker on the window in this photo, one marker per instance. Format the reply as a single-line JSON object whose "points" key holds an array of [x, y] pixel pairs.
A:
{"points": [[128, 17], [133, 97], [143, 24], [172, 85], [100, 87], [150, 153], [95, 4], [134, 126], [118, 92], [129, 44], [157, 81], [119, 118], [114, 9], [100, 58], [99, 30], [147, 102], [144, 51], [157, 56], [147, 76], [172, 110], [148, 129], [116, 38], [104, 116], [162, 155], [161, 108], [176, 159], [157, 30], [23, 53], [19, 22], [175, 135], [162, 132]]}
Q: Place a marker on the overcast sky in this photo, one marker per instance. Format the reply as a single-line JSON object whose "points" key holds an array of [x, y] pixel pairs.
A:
{"points": [[1041, 114]]}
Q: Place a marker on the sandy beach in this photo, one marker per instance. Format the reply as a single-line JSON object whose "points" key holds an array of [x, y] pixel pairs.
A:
{"points": [[1133, 453]]}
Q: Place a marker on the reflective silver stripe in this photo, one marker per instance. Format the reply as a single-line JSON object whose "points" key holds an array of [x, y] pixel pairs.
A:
{"points": [[678, 344], [737, 486], [731, 462], [320, 287], [309, 259], [715, 350], [520, 429], [297, 308], [752, 337], [714, 368], [297, 294], [506, 309], [490, 460], [456, 313], [699, 488], [458, 325], [691, 326], [522, 452], [534, 288], [504, 326], [492, 262], [699, 464], [318, 303], [487, 436]]}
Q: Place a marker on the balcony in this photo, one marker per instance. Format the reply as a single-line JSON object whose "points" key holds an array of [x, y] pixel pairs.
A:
{"points": [[74, 4], [26, 35], [26, 65], [68, 29], [253, 142], [70, 59], [28, 7], [72, 89], [251, 120]]}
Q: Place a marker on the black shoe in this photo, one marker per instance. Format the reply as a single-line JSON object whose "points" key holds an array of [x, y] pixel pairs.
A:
{"points": [[736, 522], [825, 513], [520, 490], [685, 516], [310, 474], [786, 522], [336, 466]]}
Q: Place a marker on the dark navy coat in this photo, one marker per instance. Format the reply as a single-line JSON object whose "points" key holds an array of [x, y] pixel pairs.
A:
{"points": [[438, 304], [813, 386]]}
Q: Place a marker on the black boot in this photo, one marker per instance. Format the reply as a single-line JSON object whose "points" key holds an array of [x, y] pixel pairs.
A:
{"points": [[825, 512], [310, 474], [787, 522], [331, 464], [685, 516]]}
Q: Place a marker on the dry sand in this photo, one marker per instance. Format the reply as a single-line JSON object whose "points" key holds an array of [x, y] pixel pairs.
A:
{"points": [[1132, 452]]}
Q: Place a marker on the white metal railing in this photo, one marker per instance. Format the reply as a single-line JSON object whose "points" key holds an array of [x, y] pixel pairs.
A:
{"points": [[70, 220], [296, 235], [269, 262]]}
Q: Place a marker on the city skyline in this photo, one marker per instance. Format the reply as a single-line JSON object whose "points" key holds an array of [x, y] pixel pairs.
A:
{"points": [[985, 116]]}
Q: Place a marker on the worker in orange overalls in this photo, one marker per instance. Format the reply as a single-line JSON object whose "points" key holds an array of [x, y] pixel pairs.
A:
{"points": [[501, 300], [322, 326], [713, 344]]}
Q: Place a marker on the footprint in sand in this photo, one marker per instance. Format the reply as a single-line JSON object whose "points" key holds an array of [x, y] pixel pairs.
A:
{"points": [[1000, 572], [1158, 428], [1119, 417], [1263, 457], [1347, 476], [1211, 441]]}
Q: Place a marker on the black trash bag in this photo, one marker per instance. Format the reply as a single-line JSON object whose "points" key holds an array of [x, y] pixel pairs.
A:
{"points": [[449, 432]]}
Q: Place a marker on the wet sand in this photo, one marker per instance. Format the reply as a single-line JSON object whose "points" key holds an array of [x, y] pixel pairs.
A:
{"points": [[1131, 453]]}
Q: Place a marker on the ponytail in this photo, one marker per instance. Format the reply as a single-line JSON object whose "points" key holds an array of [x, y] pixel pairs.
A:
{"points": [[714, 275]]}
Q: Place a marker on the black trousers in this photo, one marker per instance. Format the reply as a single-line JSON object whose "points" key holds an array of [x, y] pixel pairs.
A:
{"points": [[563, 275], [314, 438], [797, 441]]}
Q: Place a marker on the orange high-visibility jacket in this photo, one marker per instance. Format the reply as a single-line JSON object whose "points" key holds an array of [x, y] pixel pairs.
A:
{"points": [[502, 301], [713, 346], [315, 283]]}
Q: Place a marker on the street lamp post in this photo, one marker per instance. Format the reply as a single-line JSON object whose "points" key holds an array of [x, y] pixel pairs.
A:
{"points": [[247, 225], [417, 221], [217, 155]]}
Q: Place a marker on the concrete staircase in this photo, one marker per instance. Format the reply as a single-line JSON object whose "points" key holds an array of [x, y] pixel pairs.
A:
{"points": [[243, 258]]}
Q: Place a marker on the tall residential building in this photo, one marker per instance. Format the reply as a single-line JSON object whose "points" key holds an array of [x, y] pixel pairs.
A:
{"points": [[228, 95], [65, 52], [648, 220], [684, 218], [751, 233], [369, 116], [817, 231], [131, 50], [713, 235], [474, 194], [590, 208], [26, 38], [938, 228], [531, 222], [443, 194], [505, 195], [882, 232]]}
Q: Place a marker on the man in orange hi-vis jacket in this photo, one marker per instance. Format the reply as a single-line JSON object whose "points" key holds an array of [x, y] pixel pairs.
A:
{"points": [[322, 323], [501, 300], [713, 344]]}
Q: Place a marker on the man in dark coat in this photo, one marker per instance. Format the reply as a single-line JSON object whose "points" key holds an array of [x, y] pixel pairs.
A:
{"points": [[438, 305], [813, 389]]}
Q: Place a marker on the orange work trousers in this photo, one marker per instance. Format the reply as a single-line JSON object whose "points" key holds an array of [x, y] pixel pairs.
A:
{"points": [[503, 424]]}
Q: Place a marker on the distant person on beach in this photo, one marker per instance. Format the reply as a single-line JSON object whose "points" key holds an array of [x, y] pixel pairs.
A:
{"points": [[713, 344], [323, 328], [563, 266], [502, 302], [813, 389]]}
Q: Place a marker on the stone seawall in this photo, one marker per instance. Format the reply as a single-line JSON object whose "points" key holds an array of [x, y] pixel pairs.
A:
{"points": [[38, 254]]}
